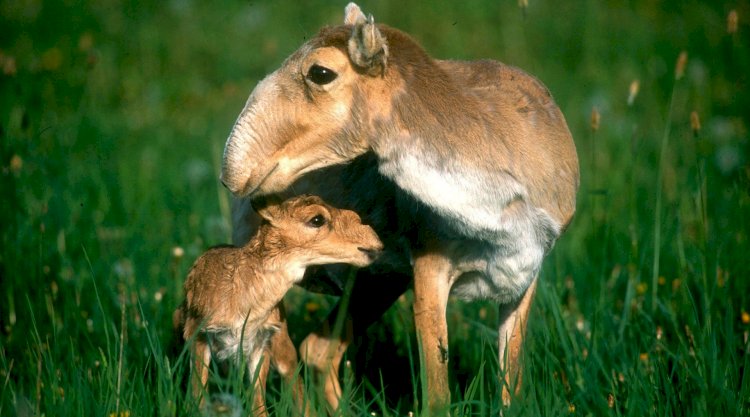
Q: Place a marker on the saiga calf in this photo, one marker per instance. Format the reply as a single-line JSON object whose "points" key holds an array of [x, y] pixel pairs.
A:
{"points": [[233, 294]]}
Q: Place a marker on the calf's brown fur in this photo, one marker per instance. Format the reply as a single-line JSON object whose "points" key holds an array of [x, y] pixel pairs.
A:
{"points": [[233, 294]]}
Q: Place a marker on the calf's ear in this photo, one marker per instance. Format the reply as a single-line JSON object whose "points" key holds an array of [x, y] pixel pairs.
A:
{"points": [[267, 207], [368, 48]]}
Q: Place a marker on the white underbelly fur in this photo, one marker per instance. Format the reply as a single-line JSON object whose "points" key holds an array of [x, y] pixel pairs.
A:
{"points": [[491, 208], [225, 344]]}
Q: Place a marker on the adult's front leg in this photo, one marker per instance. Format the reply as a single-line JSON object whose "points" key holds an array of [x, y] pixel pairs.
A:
{"points": [[512, 331], [432, 272]]}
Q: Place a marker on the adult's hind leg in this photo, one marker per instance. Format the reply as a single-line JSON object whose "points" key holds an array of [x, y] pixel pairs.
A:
{"points": [[512, 331], [323, 351]]}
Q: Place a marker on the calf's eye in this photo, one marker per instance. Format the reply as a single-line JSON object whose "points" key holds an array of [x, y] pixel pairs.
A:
{"points": [[321, 75], [317, 221]]}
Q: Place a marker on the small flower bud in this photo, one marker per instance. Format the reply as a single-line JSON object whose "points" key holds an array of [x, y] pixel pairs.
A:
{"points": [[732, 22], [16, 164], [633, 91], [178, 252], [595, 117]]}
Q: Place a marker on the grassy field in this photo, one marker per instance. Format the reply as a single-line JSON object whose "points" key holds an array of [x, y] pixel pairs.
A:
{"points": [[113, 117]]}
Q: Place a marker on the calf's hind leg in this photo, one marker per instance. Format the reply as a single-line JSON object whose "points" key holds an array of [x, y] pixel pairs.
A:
{"points": [[283, 357], [323, 351]]}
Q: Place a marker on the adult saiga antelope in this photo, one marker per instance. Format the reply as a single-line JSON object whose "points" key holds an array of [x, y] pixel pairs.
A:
{"points": [[467, 171]]}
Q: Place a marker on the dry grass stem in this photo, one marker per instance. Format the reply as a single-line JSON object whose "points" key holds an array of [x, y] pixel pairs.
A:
{"points": [[679, 68], [695, 122]]}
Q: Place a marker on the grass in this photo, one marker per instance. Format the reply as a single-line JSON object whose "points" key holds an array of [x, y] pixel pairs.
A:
{"points": [[113, 117]]}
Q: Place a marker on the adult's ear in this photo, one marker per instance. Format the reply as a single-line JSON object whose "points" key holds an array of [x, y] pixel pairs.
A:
{"points": [[267, 207], [368, 48], [353, 15]]}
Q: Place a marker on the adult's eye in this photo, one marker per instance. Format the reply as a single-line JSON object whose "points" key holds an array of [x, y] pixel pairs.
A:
{"points": [[317, 221], [321, 75]]}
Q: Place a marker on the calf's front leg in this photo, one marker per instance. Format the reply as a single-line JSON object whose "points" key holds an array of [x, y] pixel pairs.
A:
{"points": [[201, 361], [259, 390], [431, 290]]}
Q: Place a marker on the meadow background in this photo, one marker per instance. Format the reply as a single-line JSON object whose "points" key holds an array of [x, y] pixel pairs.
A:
{"points": [[113, 116]]}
